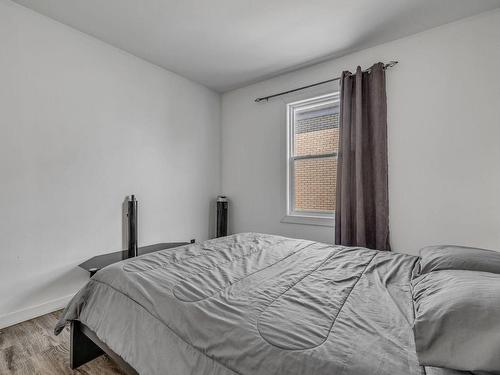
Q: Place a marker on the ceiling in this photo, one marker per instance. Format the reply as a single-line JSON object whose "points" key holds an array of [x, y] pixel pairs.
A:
{"points": [[225, 44]]}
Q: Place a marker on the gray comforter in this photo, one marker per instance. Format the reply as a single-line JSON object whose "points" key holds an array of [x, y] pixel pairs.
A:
{"points": [[256, 304]]}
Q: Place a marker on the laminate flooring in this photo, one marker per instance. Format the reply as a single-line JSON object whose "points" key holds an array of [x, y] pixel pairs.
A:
{"points": [[31, 348]]}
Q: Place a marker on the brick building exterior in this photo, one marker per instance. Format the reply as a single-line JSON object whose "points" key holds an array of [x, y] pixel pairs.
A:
{"points": [[316, 133]]}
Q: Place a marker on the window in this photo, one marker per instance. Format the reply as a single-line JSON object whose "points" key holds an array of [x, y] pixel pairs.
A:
{"points": [[313, 136]]}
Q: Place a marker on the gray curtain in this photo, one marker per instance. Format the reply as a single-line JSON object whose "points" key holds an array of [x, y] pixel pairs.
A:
{"points": [[362, 211]]}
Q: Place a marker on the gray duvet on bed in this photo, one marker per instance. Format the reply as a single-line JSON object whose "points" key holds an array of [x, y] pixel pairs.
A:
{"points": [[256, 304]]}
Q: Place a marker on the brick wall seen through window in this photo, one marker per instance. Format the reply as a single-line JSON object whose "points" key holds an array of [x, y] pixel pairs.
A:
{"points": [[314, 157]]}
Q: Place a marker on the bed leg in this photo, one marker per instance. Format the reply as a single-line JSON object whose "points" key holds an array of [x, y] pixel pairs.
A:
{"points": [[82, 349]]}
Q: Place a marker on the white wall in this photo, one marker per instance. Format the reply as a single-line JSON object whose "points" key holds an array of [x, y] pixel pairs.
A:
{"points": [[444, 139], [83, 125]]}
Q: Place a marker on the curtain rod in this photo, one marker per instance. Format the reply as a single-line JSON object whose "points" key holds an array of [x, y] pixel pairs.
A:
{"points": [[390, 64]]}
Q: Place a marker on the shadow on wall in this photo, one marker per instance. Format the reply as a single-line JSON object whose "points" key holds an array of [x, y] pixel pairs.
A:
{"points": [[125, 223], [212, 213], [69, 276]]}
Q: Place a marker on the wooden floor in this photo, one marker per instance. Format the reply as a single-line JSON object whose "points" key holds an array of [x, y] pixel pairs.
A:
{"points": [[31, 348]]}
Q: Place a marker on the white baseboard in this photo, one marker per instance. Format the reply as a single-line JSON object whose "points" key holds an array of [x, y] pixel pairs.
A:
{"points": [[28, 313]]}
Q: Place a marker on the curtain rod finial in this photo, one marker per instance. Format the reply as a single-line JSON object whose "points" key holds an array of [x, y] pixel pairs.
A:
{"points": [[390, 64]]}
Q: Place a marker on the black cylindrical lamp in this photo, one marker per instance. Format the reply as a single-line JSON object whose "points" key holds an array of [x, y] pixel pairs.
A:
{"points": [[222, 206], [132, 227]]}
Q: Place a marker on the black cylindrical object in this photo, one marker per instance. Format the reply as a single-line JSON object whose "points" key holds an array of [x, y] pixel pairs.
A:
{"points": [[222, 205], [132, 227]]}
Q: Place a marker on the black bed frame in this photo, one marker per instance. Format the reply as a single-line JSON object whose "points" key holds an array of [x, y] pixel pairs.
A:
{"points": [[86, 346]]}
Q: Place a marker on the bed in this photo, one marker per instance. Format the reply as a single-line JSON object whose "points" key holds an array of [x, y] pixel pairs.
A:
{"points": [[252, 304]]}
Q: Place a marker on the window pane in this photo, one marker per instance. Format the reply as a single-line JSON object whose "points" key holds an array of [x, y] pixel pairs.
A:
{"points": [[316, 130], [315, 184]]}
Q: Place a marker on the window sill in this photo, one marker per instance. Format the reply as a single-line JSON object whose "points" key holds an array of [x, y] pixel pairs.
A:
{"points": [[309, 220]]}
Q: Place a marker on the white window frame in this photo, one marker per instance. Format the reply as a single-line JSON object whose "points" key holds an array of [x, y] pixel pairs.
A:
{"points": [[304, 217]]}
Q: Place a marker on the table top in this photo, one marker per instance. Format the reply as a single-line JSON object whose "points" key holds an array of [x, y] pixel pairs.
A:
{"points": [[100, 261]]}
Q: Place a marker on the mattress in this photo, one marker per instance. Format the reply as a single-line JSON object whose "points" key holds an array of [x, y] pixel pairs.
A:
{"points": [[256, 304]]}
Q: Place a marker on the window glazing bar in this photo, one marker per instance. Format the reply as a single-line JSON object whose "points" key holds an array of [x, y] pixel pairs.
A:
{"points": [[319, 156]]}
